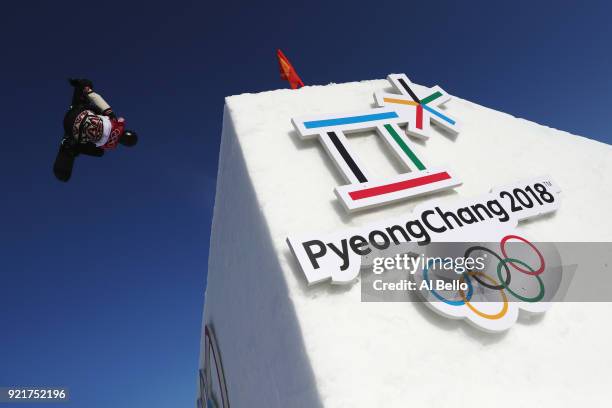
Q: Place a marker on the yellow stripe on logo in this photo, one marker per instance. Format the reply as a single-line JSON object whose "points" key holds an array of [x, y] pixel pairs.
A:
{"points": [[401, 101]]}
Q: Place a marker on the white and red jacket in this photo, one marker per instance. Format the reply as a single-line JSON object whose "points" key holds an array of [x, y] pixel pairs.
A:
{"points": [[103, 130]]}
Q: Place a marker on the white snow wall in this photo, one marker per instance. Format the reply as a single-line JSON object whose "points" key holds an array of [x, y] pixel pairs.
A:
{"points": [[284, 344], [247, 301]]}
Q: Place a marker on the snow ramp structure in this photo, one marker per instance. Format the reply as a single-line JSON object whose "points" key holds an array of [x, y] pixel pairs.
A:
{"points": [[276, 333]]}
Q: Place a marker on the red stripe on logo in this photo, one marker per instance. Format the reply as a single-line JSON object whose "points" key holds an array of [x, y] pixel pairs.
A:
{"points": [[419, 117], [399, 186]]}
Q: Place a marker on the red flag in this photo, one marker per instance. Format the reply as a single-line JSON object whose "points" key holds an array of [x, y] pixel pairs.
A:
{"points": [[287, 72]]}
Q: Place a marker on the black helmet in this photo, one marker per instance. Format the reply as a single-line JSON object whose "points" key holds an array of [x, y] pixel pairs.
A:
{"points": [[129, 138]]}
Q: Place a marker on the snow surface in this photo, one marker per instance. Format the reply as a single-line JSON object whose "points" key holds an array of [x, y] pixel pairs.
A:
{"points": [[284, 344]]}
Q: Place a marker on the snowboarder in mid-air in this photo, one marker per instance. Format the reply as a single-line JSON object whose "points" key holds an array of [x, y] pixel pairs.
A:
{"points": [[90, 127]]}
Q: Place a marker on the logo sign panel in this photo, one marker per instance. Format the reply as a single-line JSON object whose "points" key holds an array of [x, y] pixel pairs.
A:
{"points": [[337, 257], [365, 190]]}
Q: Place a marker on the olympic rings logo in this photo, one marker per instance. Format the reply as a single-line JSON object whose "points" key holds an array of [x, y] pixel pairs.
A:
{"points": [[501, 283]]}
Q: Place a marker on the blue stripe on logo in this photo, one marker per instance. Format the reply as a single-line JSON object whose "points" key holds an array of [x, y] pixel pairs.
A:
{"points": [[349, 120], [438, 114]]}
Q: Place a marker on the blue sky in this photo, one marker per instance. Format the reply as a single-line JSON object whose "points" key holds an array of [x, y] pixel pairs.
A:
{"points": [[103, 278]]}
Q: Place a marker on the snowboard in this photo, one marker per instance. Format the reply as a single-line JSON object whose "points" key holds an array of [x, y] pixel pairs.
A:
{"points": [[64, 161]]}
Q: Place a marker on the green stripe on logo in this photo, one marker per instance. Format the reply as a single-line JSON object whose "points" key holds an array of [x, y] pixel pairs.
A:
{"points": [[419, 165], [431, 97]]}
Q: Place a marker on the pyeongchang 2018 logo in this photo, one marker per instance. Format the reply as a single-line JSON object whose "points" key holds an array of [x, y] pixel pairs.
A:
{"points": [[404, 108], [492, 217]]}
